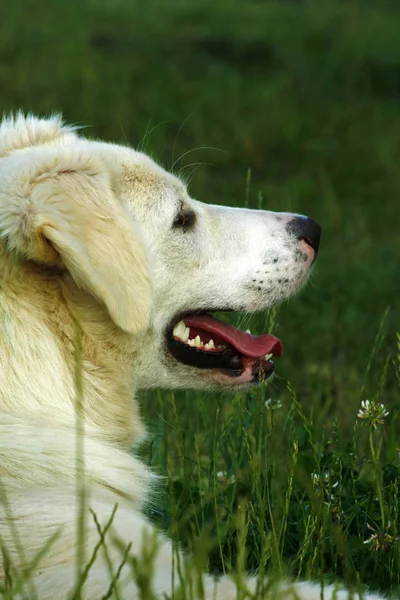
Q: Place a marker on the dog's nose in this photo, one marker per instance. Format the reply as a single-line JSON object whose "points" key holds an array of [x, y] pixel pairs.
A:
{"points": [[306, 229]]}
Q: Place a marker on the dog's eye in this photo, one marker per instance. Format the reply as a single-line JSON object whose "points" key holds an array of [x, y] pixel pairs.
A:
{"points": [[185, 219]]}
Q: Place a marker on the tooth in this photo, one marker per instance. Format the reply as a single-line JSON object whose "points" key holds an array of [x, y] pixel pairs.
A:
{"points": [[268, 356], [197, 341], [179, 329], [211, 344], [191, 342], [185, 334], [248, 331]]}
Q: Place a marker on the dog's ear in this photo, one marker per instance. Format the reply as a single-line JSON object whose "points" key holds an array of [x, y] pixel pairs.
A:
{"points": [[57, 207]]}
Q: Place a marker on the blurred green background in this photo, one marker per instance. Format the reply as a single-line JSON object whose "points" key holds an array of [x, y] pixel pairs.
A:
{"points": [[288, 105]]}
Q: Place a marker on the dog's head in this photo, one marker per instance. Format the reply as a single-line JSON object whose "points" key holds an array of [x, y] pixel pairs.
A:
{"points": [[124, 237], [205, 259]]}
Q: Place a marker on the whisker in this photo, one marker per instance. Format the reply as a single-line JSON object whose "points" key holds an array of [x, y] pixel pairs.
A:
{"points": [[122, 127], [195, 150], [188, 178], [177, 136], [147, 134]]}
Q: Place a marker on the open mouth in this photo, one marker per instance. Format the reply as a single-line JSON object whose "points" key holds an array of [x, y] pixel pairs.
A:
{"points": [[202, 341]]}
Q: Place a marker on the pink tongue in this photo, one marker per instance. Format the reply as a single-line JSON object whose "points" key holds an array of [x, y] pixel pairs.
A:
{"points": [[253, 346]]}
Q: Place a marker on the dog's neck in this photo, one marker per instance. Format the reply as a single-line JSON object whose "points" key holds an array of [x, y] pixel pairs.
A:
{"points": [[86, 354], [55, 458]]}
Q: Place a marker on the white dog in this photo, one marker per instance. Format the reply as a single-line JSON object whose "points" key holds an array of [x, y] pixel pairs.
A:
{"points": [[108, 274]]}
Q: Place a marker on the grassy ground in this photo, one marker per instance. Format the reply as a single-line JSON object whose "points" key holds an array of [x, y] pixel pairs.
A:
{"points": [[291, 106]]}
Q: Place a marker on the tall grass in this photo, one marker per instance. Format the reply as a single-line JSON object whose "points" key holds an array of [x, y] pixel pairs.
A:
{"points": [[315, 502]]}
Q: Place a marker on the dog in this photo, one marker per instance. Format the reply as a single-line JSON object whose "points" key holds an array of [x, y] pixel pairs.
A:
{"points": [[109, 275]]}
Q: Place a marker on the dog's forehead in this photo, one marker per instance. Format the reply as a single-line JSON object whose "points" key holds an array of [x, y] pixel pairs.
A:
{"points": [[138, 173], [147, 175]]}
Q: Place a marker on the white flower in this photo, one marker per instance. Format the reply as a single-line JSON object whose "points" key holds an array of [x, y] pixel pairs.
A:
{"points": [[271, 404], [380, 540], [315, 478], [223, 477], [322, 484], [372, 412]]}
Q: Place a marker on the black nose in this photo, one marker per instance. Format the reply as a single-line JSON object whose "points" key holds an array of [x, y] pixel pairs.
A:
{"points": [[305, 229]]}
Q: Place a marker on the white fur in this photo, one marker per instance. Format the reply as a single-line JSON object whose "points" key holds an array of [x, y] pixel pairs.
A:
{"points": [[92, 274]]}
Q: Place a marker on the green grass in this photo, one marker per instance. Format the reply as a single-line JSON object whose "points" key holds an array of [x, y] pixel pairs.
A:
{"points": [[306, 95], [316, 500]]}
